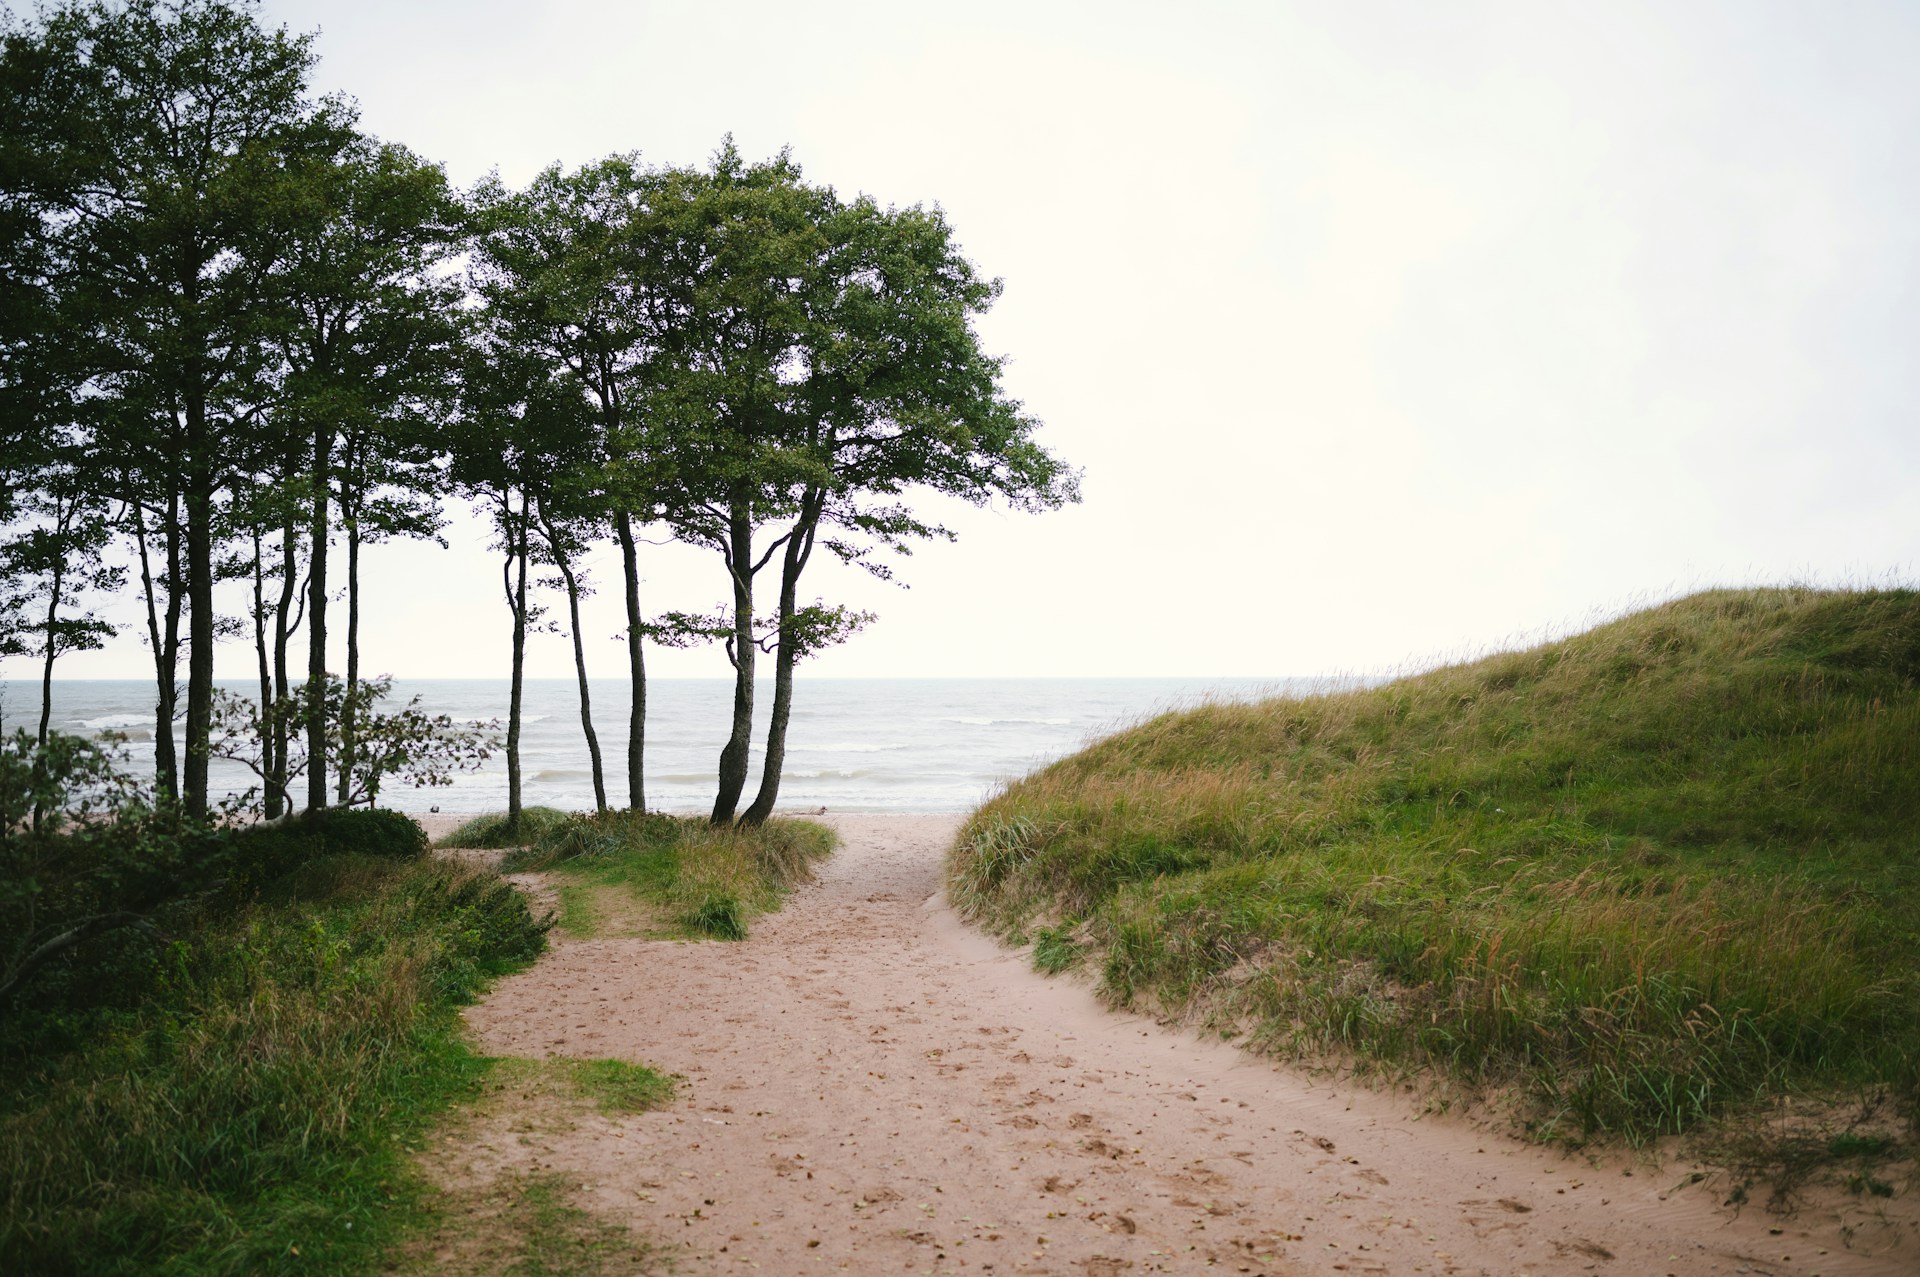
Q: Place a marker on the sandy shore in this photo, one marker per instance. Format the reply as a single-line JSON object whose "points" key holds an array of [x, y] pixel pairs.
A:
{"points": [[871, 1087]]}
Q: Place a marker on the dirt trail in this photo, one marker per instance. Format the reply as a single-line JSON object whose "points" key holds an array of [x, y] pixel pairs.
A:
{"points": [[874, 1088]]}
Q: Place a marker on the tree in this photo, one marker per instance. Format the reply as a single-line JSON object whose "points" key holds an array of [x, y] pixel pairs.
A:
{"points": [[516, 426], [564, 528], [56, 559], [569, 273], [364, 333], [161, 128], [739, 246], [892, 395], [825, 369]]}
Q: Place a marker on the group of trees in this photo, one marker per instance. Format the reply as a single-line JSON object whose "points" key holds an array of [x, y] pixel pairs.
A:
{"points": [[240, 340]]}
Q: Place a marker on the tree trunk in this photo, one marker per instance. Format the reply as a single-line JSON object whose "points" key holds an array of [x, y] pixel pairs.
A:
{"points": [[517, 600], [321, 480], [282, 631], [199, 502], [561, 561], [636, 668], [49, 650], [352, 520], [270, 800], [799, 549], [733, 758], [165, 645]]}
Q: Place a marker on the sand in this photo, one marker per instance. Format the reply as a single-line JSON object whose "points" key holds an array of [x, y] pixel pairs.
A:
{"points": [[872, 1087]]}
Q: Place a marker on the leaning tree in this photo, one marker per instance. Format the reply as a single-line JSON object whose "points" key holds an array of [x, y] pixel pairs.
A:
{"points": [[825, 373]]}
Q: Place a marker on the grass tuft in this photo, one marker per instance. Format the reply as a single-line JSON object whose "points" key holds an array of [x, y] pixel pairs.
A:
{"points": [[619, 1087], [1657, 873]]}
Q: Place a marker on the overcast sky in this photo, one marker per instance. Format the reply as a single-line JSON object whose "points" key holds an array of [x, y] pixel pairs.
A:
{"points": [[1382, 331]]}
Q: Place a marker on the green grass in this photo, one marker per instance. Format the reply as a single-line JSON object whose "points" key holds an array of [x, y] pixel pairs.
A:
{"points": [[249, 1104], [524, 1224], [619, 1087], [537, 1221], [1660, 872], [699, 881], [491, 830]]}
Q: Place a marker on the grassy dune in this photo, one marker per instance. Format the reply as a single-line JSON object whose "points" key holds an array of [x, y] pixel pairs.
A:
{"points": [[1660, 871], [244, 1099]]}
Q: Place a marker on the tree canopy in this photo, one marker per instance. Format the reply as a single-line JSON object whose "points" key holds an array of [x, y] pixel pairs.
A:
{"points": [[235, 329]]}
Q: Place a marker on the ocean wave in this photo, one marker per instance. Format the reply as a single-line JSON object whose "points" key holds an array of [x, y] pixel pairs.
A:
{"points": [[851, 747], [561, 773], [980, 720], [116, 722]]}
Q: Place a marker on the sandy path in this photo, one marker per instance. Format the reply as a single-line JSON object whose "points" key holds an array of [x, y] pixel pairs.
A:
{"points": [[874, 1088]]}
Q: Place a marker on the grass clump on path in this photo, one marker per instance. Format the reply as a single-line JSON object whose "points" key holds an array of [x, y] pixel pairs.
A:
{"points": [[703, 881], [242, 1097], [529, 1218], [1661, 871]]}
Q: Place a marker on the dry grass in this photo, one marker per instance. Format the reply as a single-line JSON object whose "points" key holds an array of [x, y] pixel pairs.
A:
{"points": [[1656, 872]]}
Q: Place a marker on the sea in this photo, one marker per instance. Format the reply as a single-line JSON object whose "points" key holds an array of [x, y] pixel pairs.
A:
{"points": [[853, 745]]}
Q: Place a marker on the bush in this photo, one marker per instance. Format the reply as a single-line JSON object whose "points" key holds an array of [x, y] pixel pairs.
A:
{"points": [[372, 831]]}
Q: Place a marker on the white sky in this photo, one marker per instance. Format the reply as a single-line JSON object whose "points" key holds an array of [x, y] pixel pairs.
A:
{"points": [[1382, 331]]}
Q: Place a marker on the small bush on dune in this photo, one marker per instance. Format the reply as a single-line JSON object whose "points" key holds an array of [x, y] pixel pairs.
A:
{"points": [[491, 831], [710, 881]]}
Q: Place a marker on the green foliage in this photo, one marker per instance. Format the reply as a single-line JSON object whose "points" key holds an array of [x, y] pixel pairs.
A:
{"points": [[367, 744], [492, 830], [262, 853], [1659, 871], [255, 1102], [87, 863], [708, 882]]}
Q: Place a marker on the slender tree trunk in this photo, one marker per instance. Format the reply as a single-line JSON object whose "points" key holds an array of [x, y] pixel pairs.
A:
{"points": [[271, 799], [733, 757], [165, 645], [352, 520], [561, 561], [282, 632], [636, 668], [793, 563], [517, 600], [170, 682], [199, 603], [49, 650], [321, 479]]}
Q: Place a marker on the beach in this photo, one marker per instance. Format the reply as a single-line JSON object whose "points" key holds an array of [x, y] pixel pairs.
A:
{"points": [[870, 1086]]}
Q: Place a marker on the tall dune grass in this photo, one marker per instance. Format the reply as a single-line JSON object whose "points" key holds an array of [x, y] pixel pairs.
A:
{"points": [[1653, 872]]}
